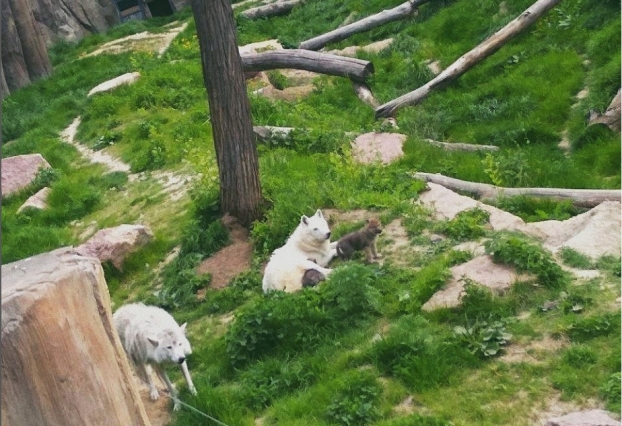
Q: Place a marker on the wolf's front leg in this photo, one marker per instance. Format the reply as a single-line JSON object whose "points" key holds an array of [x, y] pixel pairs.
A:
{"points": [[184, 369], [144, 372]]}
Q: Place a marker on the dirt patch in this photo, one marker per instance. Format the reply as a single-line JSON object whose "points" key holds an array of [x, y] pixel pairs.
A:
{"points": [[531, 352], [230, 261], [405, 407], [141, 42], [287, 94]]}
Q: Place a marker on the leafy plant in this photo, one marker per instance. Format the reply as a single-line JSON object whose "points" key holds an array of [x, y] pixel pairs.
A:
{"points": [[575, 259], [527, 257], [355, 401], [467, 225], [45, 177], [594, 326], [610, 390], [483, 339]]}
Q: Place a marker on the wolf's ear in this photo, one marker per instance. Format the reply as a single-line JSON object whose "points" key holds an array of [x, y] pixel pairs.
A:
{"points": [[319, 214], [153, 341], [304, 219], [183, 327]]}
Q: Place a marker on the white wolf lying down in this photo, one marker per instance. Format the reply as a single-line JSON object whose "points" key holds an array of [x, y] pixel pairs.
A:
{"points": [[309, 247], [152, 337]]}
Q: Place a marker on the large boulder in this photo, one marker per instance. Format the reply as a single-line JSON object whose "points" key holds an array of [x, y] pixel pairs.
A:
{"points": [[37, 201], [19, 171], [62, 360], [374, 146], [584, 418], [115, 244]]}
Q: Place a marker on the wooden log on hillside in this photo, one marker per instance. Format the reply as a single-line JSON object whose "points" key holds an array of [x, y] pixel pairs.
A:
{"points": [[273, 9], [611, 117], [324, 63], [458, 146], [470, 59], [62, 360], [269, 133], [579, 197], [400, 12]]}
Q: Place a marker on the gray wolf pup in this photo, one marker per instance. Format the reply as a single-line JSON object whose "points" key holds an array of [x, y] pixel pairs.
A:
{"points": [[365, 239], [151, 337]]}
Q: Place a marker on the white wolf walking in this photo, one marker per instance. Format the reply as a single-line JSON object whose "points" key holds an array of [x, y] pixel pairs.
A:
{"points": [[308, 247], [151, 337]]}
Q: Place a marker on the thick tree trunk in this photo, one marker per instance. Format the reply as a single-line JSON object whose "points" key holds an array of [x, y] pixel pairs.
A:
{"points": [[230, 112], [4, 88], [400, 12], [579, 197], [33, 43], [470, 59], [611, 117], [458, 146], [354, 69], [272, 9], [62, 360]]}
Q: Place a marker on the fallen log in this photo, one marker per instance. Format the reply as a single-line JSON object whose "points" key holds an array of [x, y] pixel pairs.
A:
{"points": [[470, 59], [273, 9], [458, 146], [579, 197], [400, 12], [324, 63], [611, 117], [269, 133]]}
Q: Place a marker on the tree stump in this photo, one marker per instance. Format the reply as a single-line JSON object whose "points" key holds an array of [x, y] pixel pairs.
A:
{"points": [[62, 361]]}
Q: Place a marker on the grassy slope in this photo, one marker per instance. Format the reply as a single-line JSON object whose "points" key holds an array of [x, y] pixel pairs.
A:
{"points": [[351, 352]]}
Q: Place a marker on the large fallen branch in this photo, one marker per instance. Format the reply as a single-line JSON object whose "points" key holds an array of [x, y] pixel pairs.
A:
{"points": [[579, 197], [400, 12], [324, 63], [458, 146], [269, 10], [470, 59]]}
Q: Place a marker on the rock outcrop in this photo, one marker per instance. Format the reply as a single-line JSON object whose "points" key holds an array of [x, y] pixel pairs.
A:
{"points": [[37, 201], [62, 361], [115, 244], [584, 418], [383, 147], [19, 171]]}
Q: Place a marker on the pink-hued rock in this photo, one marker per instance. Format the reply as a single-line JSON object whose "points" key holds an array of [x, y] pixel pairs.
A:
{"points": [[483, 271], [383, 147], [584, 418], [19, 171], [115, 244], [37, 201]]}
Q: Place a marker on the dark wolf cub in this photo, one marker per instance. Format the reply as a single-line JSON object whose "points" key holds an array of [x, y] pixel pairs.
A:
{"points": [[365, 239]]}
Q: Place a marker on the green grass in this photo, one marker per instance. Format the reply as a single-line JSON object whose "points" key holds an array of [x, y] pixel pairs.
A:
{"points": [[354, 349]]}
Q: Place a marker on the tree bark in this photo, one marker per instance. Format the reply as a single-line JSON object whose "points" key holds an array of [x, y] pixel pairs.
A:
{"points": [[13, 65], [269, 10], [230, 112], [611, 117], [579, 197], [62, 360], [470, 59], [400, 12], [33, 44], [354, 69], [458, 146]]}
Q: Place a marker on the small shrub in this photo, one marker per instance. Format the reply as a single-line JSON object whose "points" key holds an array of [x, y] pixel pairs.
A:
{"points": [[277, 79], [355, 401], [45, 177], [532, 209], [579, 356], [610, 391], [575, 259], [114, 180], [467, 225], [591, 327], [483, 339], [527, 257]]}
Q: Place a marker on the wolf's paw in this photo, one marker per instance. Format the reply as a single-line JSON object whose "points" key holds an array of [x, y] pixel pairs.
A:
{"points": [[193, 390], [153, 394], [176, 406]]}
